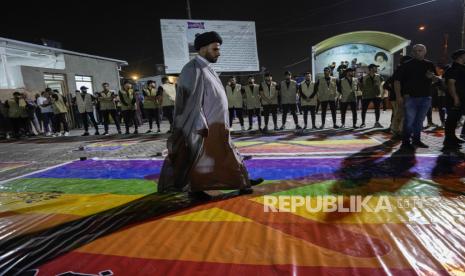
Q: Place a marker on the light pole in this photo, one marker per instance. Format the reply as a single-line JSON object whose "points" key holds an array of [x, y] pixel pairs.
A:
{"points": [[463, 25], [188, 7]]}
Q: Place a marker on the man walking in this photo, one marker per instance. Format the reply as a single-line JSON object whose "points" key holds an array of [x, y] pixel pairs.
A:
{"points": [[201, 155]]}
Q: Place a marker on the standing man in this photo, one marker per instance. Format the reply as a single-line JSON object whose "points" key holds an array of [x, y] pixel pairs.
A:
{"points": [[128, 101], [85, 104], [167, 91], [348, 88], [414, 79], [151, 105], [455, 80], [201, 155], [326, 89], [288, 90], [269, 97], [17, 113], [371, 93], [340, 69], [45, 104], [308, 99], [235, 101], [106, 98], [59, 112], [252, 101]]}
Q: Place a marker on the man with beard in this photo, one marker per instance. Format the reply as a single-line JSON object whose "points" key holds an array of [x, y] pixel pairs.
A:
{"points": [[201, 155]]}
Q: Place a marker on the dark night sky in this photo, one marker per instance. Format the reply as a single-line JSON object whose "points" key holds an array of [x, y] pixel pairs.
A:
{"points": [[132, 31]]}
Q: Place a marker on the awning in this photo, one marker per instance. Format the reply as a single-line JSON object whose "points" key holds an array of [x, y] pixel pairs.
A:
{"points": [[387, 41]]}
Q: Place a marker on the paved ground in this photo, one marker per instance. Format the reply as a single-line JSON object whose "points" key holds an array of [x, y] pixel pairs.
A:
{"points": [[105, 214], [44, 152]]}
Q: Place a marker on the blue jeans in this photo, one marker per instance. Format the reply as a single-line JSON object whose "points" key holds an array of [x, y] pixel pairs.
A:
{"points": [[47, 119], [415, 110]]}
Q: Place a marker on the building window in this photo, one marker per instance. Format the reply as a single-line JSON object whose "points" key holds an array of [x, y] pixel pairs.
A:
{"points": [[84, 81], [55, 82], [56, 77]]}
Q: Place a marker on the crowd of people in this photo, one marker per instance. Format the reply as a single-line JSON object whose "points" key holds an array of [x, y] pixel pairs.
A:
{"points": [[413, 91], [416, 87], [48, 113]]}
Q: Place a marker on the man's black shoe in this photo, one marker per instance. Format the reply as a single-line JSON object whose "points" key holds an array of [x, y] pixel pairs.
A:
{"points": [[246, 191], [254, 182], [200, 195]]}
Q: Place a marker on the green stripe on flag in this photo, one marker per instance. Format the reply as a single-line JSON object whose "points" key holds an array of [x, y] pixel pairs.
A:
{"points": [[81, 186]]}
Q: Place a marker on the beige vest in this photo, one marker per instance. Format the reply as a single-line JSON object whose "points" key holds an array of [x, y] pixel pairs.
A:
{"points": [[252, 96], [371, 89], [17, 109], [288, 95], [234, 96], [84, 105], [270, 94], [325, 92], [348, 91], [150, 103], [169, 94], [106, 100], [308, 91], [59, 105], [127, 96]]}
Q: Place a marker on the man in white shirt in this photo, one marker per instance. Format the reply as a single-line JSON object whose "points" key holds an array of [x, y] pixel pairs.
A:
{"points": [[45, 104]]}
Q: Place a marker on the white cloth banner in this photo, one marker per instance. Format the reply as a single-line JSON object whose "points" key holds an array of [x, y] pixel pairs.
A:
{"points": [[238, 52]]}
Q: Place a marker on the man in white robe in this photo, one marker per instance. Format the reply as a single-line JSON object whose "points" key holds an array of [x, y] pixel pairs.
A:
{"points": [[201, 155]]}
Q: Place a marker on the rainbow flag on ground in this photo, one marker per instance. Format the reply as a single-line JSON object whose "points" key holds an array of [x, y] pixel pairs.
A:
{"points": [[102, 216]]}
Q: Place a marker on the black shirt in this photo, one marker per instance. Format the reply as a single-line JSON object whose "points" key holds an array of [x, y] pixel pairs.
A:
{"points": [[389, 86], [457, 72], [267, 84], [412, 76]]}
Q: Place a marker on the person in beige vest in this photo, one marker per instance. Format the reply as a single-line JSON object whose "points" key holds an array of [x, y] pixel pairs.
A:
{"points": [[17, 113], [128, 101], [251, 91], [106, 98], [167, 96], [308, 99], [326, 90], [85, 104], [347, 87], [235, 101], [371, 85], [151, 105], [288, 91], [59, 112], [269, 96]]}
